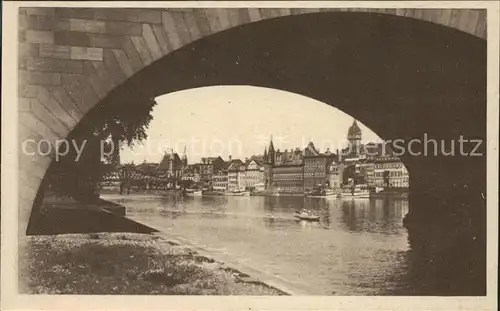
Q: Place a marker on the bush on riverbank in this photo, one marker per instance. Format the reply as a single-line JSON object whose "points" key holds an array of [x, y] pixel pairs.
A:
{"points": [[123, 264]]}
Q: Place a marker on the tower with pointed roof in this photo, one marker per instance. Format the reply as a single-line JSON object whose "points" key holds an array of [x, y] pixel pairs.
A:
{"points": [[354, 137], [271, 154], [184, 157], [269, 159]]}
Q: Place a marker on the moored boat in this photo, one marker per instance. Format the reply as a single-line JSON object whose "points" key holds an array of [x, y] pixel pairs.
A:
{"points": [[237, 193], [354, 193], [321, 193], [193, 193]]}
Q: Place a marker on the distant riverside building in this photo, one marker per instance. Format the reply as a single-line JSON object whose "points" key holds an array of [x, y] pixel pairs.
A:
{"points": [[259, 158], [316, 167], [172, 166], [220, 178], [292, 170], [355, 150], [283, 171], [390, 172], [236, 175], [366, 169], [254, 173], [335, 174], [288, 178], [147, 168], [288, 171], [207, 168], [191, 176], [373, 164]]}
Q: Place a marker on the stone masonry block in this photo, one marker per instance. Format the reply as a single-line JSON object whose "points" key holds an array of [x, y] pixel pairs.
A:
{"points": [[41, 22], [100, 84], [62, 24], [85, 25], [86, 53], [123, 61], [106, 41], [39, 78], [115, 71], [24, 104], [151, 42], [142, 49], [54, 51], [40, 36], [132, 54], [56, 108], [181, 27], [22, 36], [123, 28], [45, 115], [27, 90], [40, 11], [173, 36], [80, 90], [38, 126], [23, 22], [105, 27], [83, 13], [202, 21], [162, 38], [129, 15], [55, 65], [59, 94], [71, 38], [28, 49], [192, 25]]}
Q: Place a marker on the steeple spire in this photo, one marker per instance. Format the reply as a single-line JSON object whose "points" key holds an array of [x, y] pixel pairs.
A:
{"points": [[184, 156], [271, 145], [271, 153]]}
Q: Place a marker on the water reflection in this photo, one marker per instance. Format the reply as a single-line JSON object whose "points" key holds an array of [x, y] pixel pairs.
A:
{"points": [[377, 215], [357, 246]]}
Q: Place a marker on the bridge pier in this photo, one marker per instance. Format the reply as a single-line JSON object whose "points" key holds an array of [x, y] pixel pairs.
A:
{"points": [[447, 236]]}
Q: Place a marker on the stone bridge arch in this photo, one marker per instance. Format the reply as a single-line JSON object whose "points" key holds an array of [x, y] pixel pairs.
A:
{"points": [[70, 59]]}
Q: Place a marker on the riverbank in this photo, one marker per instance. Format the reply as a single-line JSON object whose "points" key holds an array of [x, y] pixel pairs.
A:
{"points": [[126, 263]]}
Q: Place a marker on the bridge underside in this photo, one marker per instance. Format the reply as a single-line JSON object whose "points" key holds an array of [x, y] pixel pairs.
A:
{"points": [[401, 77]]}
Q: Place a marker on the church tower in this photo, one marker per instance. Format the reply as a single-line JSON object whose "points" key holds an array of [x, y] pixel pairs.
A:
{"points": [[184, 158], [271, 154], [354, 138]]}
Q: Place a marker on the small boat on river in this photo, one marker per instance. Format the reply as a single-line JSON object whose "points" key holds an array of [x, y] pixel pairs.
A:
{"points": [[237, 193], [322, 193], [355, 193], [193, 192], [306, 215]]}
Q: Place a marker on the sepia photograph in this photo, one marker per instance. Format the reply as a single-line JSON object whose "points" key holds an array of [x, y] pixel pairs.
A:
{"points": [[251, 149]]}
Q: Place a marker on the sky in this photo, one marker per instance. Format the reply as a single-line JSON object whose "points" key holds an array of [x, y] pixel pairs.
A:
{"points": [[238, 121]]}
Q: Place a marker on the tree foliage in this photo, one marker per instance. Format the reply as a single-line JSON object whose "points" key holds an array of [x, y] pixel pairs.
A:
{"points": [[114, 121]]}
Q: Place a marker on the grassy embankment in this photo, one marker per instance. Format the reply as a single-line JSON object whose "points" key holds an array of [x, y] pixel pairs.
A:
{"points": [[127, 264]]}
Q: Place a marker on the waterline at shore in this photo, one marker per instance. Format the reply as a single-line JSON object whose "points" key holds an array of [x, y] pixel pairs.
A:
{"points": [[126, 263]]}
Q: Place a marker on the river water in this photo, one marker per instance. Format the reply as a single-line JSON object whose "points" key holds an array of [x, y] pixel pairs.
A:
{"points": [[359, 247]]}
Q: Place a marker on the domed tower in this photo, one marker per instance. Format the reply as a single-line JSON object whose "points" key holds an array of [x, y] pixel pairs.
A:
{"points": [[354, 137]]}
